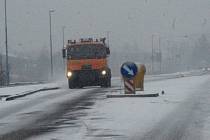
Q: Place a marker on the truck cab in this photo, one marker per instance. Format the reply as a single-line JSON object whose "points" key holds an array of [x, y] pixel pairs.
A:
{"points": [[87, 63]]}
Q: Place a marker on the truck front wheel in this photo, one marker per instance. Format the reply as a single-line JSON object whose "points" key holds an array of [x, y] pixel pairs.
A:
{"points": [[71, 84], [106, 83]]}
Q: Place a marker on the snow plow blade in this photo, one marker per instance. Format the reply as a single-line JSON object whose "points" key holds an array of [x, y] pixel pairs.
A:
{"points": [[132, 95]]}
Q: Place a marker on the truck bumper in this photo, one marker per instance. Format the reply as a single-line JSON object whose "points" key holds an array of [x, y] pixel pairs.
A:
{"points": [[89, 77]]}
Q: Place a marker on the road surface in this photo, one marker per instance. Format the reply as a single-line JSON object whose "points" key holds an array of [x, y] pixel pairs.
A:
{"points": [[180, 114], [187, 121]]}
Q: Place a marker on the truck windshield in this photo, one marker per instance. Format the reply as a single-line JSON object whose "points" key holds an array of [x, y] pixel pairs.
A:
{"points": [[86, 52]]}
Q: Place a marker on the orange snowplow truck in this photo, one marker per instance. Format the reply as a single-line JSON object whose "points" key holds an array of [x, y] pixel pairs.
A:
{"points": [[87, 63]]}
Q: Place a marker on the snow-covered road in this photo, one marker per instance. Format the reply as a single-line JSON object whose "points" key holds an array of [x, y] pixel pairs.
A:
{"points": [[188, 120], [21, 112], [181, 113]]}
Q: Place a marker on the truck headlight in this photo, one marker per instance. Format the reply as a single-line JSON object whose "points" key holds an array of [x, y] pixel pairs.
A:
{"points": [[103, 72], [69, 74]]}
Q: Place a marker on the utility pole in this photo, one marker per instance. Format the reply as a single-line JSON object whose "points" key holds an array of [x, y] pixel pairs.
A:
{"points": [[51, 59], [0, 58], [1, 68], [108, 33], [63, 31], [152, 53], [6, 43], [160, 53]]}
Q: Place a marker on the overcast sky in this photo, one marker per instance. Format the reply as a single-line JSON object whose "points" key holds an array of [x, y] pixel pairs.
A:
{"points": [[127, 21]]}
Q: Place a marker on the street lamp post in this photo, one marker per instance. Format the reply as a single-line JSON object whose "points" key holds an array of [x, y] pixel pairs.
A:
{"points": [[63, 31], [156, 56], [160, 54], [51, 59], [152, 54], [108, 34], [6, 43]]}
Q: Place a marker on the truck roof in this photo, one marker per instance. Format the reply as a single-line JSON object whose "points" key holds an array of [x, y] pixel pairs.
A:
{"points": [[88, 41]]}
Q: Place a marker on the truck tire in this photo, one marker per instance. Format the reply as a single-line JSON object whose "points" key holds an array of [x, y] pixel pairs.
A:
{"points": [[71, 84], [106, 83], [109, 82], [79, 85]]}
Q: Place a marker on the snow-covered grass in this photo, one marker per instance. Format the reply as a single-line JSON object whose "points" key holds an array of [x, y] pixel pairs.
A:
{"points": [[123, 118]]}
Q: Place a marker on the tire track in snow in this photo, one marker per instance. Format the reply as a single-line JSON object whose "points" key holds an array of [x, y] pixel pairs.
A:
{"points": [[48, 122], [186, 122]]}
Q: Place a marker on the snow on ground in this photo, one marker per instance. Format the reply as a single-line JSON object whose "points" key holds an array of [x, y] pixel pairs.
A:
{"points": [[5, 106], [21, 89], [122, 118], [22, 111], [108, 118], [206, 130], [19, 113], [63, 83]]}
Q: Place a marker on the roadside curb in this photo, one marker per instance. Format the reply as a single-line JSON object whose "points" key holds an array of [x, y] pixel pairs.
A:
{"points": [[24, 83], [13, 97], [133, 95]]}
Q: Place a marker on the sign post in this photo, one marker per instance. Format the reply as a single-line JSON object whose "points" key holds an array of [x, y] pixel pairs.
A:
{"points": [[133, 77], [129, 86], [128, 72]]}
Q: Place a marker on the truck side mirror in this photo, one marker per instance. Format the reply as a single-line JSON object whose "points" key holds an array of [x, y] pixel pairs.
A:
{"points": [[108, 51], [64, 53]]}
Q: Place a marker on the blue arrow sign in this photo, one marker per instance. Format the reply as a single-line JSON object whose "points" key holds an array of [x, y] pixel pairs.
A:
{"points": [[129, 70]]}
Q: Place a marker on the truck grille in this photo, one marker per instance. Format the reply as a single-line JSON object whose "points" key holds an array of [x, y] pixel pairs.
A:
{"points": [[86, 67], [88, 75]]}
